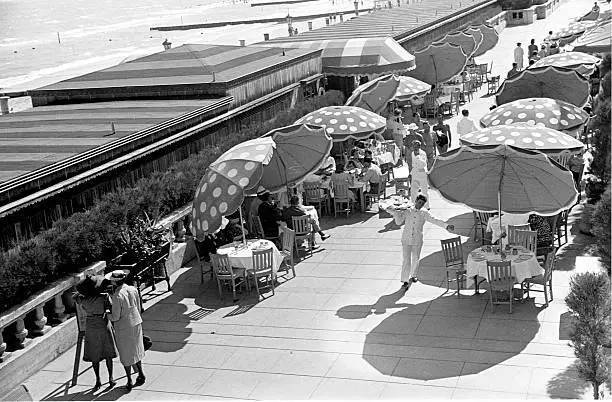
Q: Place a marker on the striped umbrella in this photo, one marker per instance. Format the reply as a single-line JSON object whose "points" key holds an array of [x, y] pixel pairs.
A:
{"points": [[581, 62], [358, 56], [490, 37], [439, 63], [539, 112], [374, 94], [595, 40], [466, 41], [541, 139], [344, 122], [545, 82]]}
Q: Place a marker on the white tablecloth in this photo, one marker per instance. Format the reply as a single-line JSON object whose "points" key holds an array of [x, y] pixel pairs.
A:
{"points": [[385, 157], [449, 89], [243, 257], [507, 219], [524, 264]]}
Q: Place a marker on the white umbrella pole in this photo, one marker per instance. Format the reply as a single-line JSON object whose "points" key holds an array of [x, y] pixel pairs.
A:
{"points": [[244, 243], [501, 230]]}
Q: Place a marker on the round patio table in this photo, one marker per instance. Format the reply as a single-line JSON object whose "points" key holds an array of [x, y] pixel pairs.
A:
{"points": [[524, 264], [242, 257]]}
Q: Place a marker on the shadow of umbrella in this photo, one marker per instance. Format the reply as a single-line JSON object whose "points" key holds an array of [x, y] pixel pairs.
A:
{"points": [[445, 337]]}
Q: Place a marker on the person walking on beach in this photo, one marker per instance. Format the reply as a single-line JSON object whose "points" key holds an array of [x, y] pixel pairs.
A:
{"points": [[519, 56], [99, 341], [414, 219], [125, 315]]}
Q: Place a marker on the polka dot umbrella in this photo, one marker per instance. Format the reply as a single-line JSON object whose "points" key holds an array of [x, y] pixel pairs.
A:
{"points": [[572, 31], [344, 122], [540, 112], [221, 190], [581, 62], [541, 139], [411, 91]]}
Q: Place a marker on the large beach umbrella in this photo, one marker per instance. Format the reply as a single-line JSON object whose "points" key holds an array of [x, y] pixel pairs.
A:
{"points": [[490, 37], [299, 150], [285, 156], [545, 82], [581, 62], [595, 40], [466, 41], [543, 139], [503, 178], [438, 63], [344, 122], [375, 94], [540, 112], [478, 36], [357, 56], [572, 31]]}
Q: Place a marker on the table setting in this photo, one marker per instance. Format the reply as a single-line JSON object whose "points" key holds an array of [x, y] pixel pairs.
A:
{"points": [[241, 256]]}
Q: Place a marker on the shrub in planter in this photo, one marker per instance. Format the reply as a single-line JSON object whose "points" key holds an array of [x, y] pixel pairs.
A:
{"points": [[600, 221], [589, 304]]}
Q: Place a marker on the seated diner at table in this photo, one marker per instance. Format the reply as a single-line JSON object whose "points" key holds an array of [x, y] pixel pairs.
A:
{"points": [[353, 161], [269, 215], [328, 167], [545, 233], [371, 175], [296, 209], [507, 219], [342, 176]]}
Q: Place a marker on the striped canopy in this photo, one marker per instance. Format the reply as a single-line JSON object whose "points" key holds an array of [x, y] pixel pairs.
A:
{"points": [[595, 40], [545, 82], [359, 56], [541, 139], [541, 112], [581, 62], [439, 63], [465, 40]]}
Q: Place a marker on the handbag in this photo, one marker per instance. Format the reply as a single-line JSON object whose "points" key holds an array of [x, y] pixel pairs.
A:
{"points": [[147, 342]]}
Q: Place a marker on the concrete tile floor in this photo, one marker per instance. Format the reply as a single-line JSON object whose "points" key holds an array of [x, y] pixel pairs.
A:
{"points": [[342, 329]]}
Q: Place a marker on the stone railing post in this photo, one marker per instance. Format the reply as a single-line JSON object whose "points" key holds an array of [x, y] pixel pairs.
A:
{"points": [[2, 345], [39, 325], [58, 309], [20, 335]]}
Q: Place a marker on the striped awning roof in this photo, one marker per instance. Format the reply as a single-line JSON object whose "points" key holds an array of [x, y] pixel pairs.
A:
{"points": [[186, 64], [359, 56]]}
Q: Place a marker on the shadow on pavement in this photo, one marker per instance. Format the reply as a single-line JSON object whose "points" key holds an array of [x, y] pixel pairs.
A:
{"points": [[567, 384]]}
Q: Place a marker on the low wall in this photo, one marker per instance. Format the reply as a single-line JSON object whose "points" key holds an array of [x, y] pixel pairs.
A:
{"points": [[39, 330]]}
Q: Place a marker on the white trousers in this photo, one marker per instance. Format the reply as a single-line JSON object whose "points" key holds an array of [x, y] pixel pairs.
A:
{"points": [[410, 262], [419, 183]]}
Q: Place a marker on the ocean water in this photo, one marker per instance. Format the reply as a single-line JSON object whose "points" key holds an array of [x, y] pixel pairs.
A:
{"points": [[95, 34]]}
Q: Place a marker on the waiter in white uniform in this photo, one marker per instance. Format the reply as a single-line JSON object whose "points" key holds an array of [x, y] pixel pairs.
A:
{"points": [[412, 237], [418, 175]]}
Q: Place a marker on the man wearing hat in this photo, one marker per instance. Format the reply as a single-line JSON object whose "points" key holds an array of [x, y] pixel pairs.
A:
{"points": [[269, 215], [125, 315]]}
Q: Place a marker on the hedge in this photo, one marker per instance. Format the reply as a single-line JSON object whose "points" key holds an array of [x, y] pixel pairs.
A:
{"points": [[77, 241]]}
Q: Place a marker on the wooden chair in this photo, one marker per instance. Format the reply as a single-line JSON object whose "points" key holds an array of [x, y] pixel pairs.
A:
{"points": [[259, 231], [453, 260], [564, 157], [288, 237], [493, 85], [499, 275], [513, 235], [466, 93], [341, 198], [205, 266], [371, 198], [560, 231], [453, 104], [430, 106], [480, 224], [302, 227], [483, 73], [262, 268], [225, 274], [313, 196], [543, 280], [528, 239]]}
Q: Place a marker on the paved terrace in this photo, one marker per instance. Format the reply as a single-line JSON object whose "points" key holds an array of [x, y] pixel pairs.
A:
{"points": [[342, 329]]}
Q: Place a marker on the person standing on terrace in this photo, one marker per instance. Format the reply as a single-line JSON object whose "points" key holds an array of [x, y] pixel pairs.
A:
{"points": [[519, 56], [442, 132], [532, 48], [414, 219], [466, 124]]}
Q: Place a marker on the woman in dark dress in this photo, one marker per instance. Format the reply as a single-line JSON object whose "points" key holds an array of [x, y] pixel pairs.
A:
{"points": [[99, 340]]}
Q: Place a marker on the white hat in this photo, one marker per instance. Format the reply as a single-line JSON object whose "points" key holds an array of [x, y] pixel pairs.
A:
{"points": [[117, 275]]}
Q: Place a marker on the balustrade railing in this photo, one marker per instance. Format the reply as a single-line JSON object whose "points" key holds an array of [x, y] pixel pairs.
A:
{"points": [[40, 313]]}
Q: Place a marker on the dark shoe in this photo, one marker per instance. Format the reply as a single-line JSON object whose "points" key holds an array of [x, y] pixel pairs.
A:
{"points": [[112, 383], [128, 386], [316, 247], [97, 386], [139, 381], [325, 237], [405, 284], [415, 279]]}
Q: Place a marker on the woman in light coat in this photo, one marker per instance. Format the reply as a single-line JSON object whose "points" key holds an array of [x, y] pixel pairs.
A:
{"points": [[125, 315], [414, 219]]}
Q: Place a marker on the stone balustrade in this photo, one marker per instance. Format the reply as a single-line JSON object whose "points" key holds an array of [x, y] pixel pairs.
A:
{"points": [[35, 317]]}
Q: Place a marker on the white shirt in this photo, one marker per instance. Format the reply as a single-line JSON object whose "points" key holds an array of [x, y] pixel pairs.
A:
{"points": [[330, 161], [518, 54], [466, 125], [507, 219], [419, 163], [373, 174], [414, 220]]}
